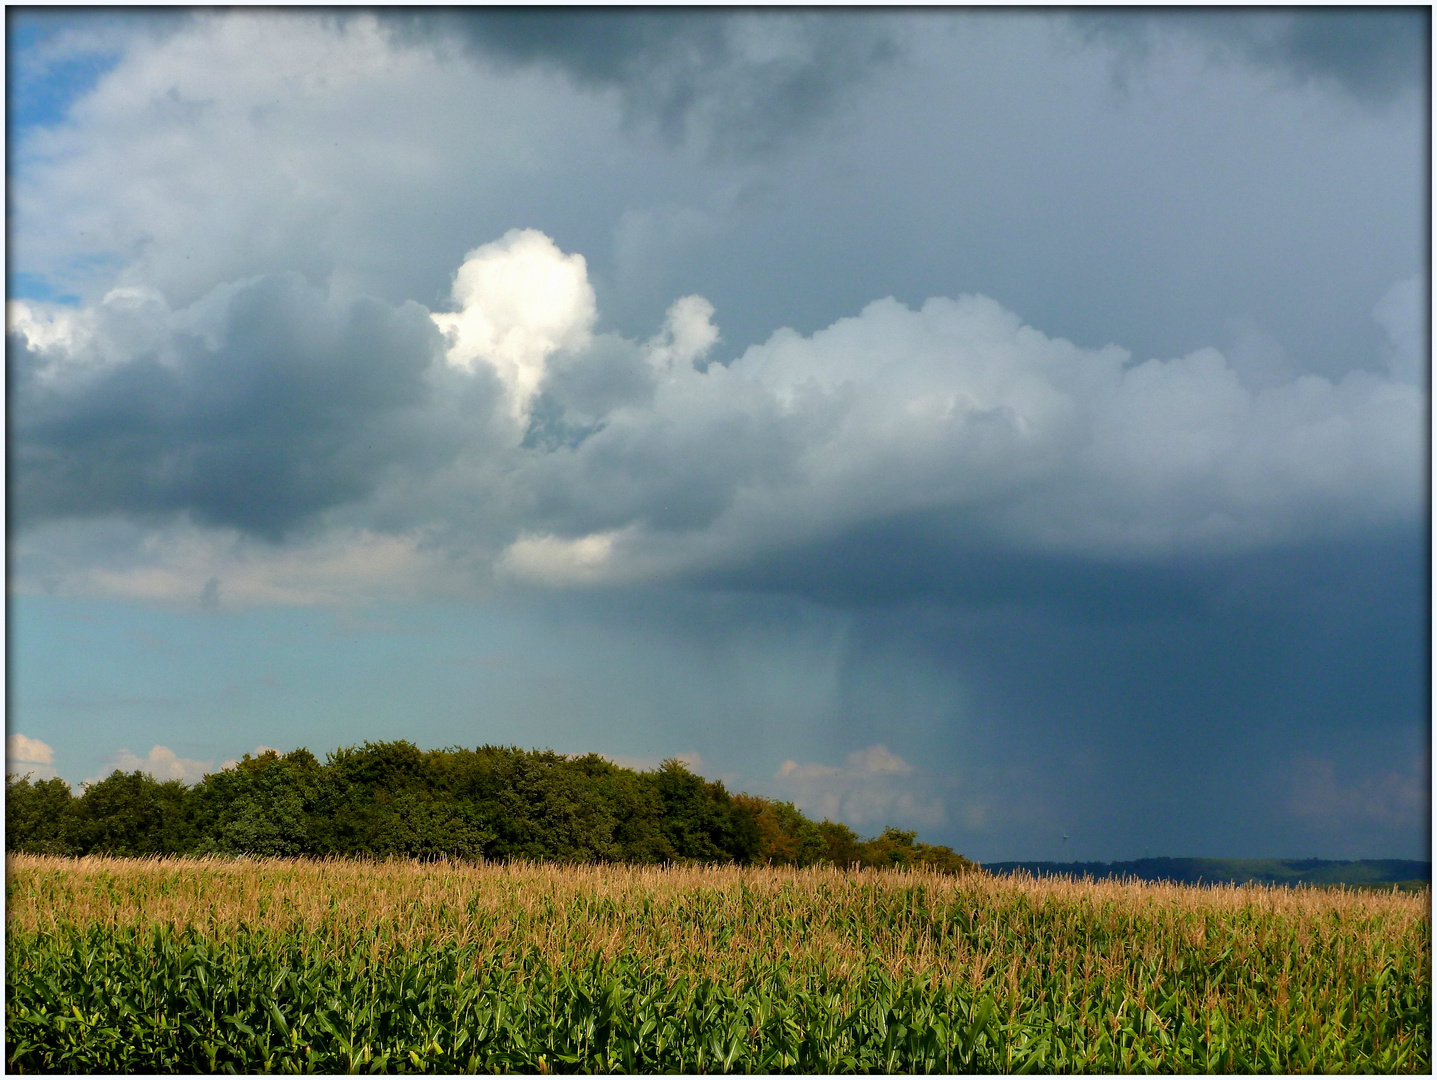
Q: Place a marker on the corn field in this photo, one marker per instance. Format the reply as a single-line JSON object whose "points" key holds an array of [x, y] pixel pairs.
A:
{"points": [[210, 965]]}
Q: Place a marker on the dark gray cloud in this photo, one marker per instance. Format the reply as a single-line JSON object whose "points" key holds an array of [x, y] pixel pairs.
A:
{"points": [[742, 83], [950, 451], [943, 556], [1162, 598], [1243, 203], [1374, 54], [1279, 706], [1188, 729], [256, 409]]}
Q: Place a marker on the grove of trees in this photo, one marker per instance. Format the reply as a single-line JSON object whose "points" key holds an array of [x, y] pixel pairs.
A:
{"points": [[393, 799]]}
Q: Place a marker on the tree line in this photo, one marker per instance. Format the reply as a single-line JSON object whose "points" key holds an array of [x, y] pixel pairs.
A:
{"points": [[393, 799]]}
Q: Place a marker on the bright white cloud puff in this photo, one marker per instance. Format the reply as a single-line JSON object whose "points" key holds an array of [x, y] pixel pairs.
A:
{"points": [[520, 300]]}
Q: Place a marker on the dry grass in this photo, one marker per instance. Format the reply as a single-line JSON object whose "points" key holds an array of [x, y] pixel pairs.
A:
{"points": [[728, 921]]}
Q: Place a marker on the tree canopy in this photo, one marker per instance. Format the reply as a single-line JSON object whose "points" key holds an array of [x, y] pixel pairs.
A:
{"points": [[393, 799]]}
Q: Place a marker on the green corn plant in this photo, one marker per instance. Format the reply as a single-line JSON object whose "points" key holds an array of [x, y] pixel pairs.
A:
{"points": [[280, 966]]}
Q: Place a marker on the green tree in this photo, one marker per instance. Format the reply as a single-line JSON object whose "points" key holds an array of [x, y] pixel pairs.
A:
{"points": [[382, 766], [37, 815], [899, 847], [351, 811], [419, 825], [391, 798], [700, 820], [256, 808], [132, 814], [554, 810], [785, 836], [638, 810], [841, 846]]}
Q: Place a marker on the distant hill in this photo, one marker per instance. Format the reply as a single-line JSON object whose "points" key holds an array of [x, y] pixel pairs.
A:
{"points": [[1236, 871]]}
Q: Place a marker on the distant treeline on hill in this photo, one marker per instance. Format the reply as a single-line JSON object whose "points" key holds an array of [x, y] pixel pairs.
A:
{"points": [[1236, 871], [393, 799]]}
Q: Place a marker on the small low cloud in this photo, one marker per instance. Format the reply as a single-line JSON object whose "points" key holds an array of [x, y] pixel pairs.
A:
{"points": [[25, 756], [162, 763], [552, 560], [873, 787], [22, 748], [1393, 799], [520, 299]]}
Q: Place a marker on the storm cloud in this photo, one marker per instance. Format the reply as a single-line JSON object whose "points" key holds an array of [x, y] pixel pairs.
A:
{"points": [[738, 83], [593, 459], [1373, 54], [257, 407], [1016, 421]]}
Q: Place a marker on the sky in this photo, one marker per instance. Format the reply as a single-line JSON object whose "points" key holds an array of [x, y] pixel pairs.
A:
{"points": [[1008, 425]]}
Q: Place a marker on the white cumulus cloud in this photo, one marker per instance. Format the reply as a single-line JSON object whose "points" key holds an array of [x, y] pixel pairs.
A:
{"points": [[552, 560], [688, 334], [25, 756], [30, 751], [161, 762]]}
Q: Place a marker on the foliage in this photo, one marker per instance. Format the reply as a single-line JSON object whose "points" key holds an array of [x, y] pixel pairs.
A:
{"points": [[120, 966], [700, 820], [785, 836], [393, 799], [38, 815], [896, 847], [131, 814], [257, 808]]}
